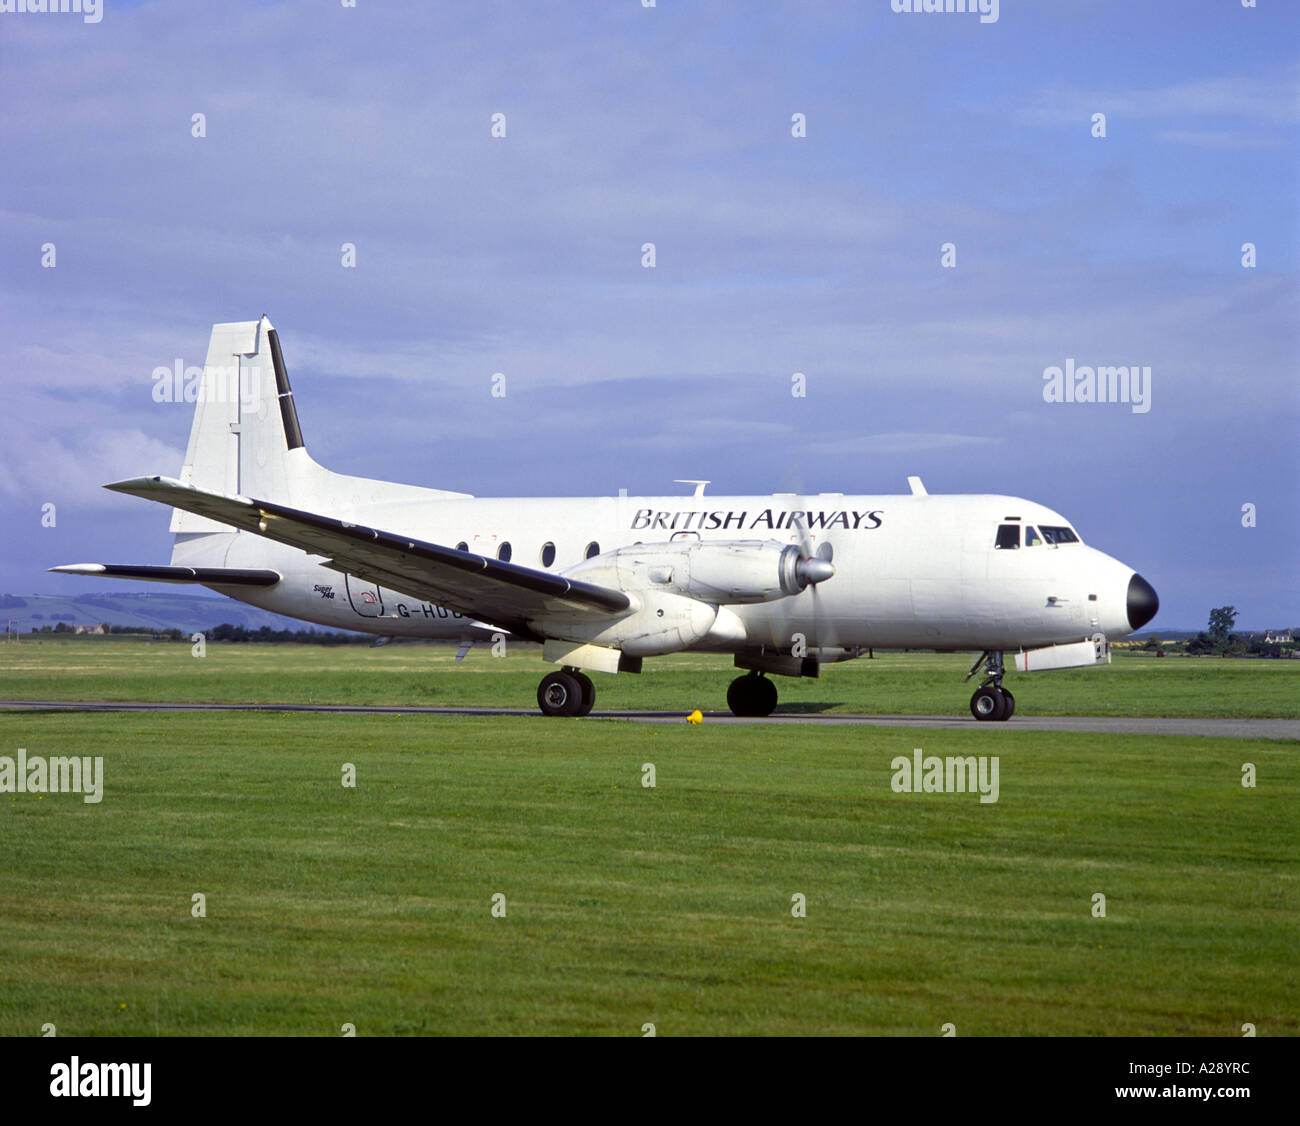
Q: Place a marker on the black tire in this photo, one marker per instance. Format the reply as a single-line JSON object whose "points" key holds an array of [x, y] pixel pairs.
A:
{"points": [[738, 696], [588, 698], [1011, 703], [988, 704], [560, 693], [751, 695]]}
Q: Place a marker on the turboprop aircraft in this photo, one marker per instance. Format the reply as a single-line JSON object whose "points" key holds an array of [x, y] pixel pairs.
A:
{"points": [[784, 583]]}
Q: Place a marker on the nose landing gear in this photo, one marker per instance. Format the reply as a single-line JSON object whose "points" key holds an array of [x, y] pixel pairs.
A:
{"points": [[991, 702]]}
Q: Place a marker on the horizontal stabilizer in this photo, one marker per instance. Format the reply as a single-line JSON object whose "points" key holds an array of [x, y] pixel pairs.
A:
{"points": [[208, 576]]}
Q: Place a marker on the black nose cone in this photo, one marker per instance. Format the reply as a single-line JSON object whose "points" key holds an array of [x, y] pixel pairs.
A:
{"points": [[1142, 602]]}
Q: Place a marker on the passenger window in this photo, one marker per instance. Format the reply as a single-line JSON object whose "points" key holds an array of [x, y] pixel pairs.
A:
{"points": [[593, 549], [1008, 536], [462, 546], [503, 552], [1031, 537], [548, 554]]}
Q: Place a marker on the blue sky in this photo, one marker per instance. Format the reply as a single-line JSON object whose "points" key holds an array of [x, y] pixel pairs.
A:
{"points": [[775, 254]]}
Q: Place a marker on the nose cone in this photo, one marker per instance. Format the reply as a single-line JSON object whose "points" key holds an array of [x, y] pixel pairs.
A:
{"points": [[814, 570], [1142, 602]]}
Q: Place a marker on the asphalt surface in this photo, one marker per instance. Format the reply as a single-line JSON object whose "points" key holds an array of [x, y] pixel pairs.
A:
{"points": [[1124, 725]]}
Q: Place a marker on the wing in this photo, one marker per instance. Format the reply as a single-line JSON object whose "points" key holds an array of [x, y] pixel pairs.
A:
{"points": [[487, 589]]}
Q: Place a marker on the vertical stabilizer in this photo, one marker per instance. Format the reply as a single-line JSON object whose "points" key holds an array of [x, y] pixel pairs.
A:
{"points": [[245, 423]]}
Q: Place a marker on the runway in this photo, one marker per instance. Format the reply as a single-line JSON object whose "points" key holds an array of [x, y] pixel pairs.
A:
{"points": [[1119, 725]]}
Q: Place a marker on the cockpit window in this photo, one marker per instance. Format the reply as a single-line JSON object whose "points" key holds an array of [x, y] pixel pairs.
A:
{"points": [[1008, 536], [1058, 535], [1032, 538]]}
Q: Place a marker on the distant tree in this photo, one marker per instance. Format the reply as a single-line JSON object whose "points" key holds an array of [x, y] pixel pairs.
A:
{"points": [[1222, 620], [228, 632], [62, 627]]}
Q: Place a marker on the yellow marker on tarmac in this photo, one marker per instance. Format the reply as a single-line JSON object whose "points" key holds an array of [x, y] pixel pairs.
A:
{"points": [[695, 717]]}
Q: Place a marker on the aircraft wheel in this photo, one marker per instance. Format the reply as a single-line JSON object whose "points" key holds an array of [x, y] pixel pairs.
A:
{"points": [[751, 695], [738, 696], [587, 700], [560, 693], [988, 703], [1011, 703]]}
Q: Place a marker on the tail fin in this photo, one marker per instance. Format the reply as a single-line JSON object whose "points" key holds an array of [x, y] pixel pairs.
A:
{"points": [[245, 424], [246, 441], [245, 438]]}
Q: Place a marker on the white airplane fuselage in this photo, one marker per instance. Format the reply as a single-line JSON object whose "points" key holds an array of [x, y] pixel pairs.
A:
{"points": [[910, 571]]}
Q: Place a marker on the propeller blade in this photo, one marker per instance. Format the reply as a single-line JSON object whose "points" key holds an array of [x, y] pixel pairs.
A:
{"points": [[813, 569]]}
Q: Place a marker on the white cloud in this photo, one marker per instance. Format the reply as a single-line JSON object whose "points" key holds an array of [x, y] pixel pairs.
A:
{"points": [[70, 470], [1269, 100], [903, 442]]}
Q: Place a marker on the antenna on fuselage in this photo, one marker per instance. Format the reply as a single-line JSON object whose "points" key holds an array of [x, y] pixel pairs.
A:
{"points": [[699, 485]]}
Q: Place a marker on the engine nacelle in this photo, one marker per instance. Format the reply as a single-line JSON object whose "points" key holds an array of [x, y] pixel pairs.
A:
{"points": [[659, 622], [722, 572]]}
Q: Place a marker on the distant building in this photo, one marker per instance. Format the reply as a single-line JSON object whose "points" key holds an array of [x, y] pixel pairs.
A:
{"points": [[1277, 637], [97, 628]]}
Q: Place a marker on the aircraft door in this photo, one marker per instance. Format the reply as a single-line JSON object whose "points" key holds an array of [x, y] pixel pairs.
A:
{"points": [[366, 598]]}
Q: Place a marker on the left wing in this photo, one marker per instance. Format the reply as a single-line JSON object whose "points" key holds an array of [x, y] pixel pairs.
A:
{"points": [[487, 589]]}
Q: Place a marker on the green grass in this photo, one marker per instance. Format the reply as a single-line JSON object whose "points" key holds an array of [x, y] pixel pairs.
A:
{"points": [[893, 683], [628, 905]]}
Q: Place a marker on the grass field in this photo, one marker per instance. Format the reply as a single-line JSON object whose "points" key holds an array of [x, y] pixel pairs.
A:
{"points": [[892, 683], [627, 905]]}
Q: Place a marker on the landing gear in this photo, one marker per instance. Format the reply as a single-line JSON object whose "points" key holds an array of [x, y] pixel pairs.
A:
{"points": [[567, 693], [991, 701], [589, 693], [752, 695]]}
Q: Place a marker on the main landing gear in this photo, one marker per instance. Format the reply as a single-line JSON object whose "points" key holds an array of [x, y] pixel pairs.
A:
{"points": [[991, 701], [751, 694], [568, 692]]}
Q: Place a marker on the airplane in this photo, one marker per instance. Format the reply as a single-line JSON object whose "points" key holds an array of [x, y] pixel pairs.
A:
{"points": [[784, 583]]}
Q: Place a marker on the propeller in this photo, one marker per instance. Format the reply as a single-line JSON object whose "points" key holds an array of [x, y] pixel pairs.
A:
{"points": [[814, 568]]}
